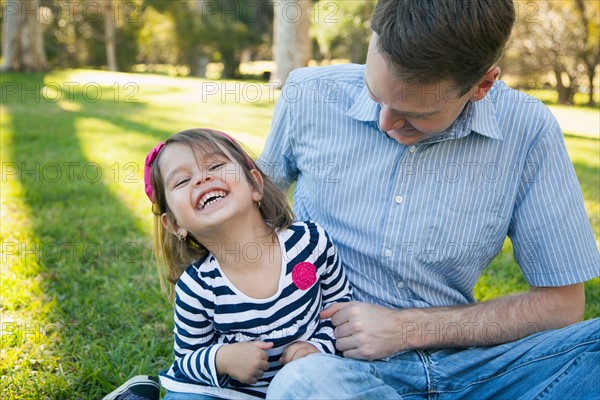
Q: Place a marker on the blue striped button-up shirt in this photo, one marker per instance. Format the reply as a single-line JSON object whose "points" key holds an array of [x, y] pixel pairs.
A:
{"points": [[415, 226]]}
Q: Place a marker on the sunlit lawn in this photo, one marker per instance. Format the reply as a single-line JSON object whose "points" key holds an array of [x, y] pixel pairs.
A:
{"points": [[81, 305]]}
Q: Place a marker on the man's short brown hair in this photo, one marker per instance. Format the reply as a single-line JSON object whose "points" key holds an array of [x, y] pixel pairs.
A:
{"points": [[429, 41]]}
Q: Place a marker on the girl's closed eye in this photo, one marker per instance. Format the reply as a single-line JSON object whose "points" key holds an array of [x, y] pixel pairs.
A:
{"points": [[216, 166], [181, 182]]}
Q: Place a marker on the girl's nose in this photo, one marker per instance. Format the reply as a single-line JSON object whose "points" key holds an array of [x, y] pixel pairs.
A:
{"points": [[202, 178]]}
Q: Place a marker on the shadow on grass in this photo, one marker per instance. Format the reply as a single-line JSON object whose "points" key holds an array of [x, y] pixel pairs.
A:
{"points": [[107, 318]]}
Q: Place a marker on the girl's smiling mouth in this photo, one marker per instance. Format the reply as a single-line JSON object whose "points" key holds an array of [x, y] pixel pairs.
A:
{"points": [[210, 198]]}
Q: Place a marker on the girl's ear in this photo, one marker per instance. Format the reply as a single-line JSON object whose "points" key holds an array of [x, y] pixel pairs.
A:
{"points": [[172, 226], [257, 186]]}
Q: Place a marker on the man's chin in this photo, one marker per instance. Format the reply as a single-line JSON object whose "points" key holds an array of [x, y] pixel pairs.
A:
{"points": [[407, 137]]}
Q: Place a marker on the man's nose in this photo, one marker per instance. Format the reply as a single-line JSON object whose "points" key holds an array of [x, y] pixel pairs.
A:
{"points": [[388, 121]]}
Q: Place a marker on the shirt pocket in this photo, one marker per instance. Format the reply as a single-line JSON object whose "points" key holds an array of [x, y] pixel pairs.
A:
{"points": [[464, 227]]}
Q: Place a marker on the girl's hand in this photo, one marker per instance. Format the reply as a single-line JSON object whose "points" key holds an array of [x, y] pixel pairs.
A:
{"points": [[297, 350], [245, 362]]}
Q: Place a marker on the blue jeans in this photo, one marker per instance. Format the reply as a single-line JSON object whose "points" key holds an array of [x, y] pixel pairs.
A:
{"points": [[188, 396], [558, 364]]}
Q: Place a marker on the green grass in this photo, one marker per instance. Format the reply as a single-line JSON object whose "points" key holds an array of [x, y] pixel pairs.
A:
{"points": [[81, 305], [550, 97]]}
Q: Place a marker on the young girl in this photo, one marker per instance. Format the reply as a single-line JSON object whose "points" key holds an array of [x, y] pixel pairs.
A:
{"points": [[249, 282]]}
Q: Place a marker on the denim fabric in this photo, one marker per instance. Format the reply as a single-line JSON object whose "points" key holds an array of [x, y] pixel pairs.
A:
{"points": [[557, 364], [188, 396]]}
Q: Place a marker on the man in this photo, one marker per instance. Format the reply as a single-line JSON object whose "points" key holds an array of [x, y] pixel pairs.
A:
{"points": [[419, 164]]}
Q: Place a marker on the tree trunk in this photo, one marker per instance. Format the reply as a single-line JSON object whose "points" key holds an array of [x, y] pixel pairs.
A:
{"points": [[291, 41], [22, 37], [231, 63], [357, 55], [11, 37], [566, 93], [590, 55], [109, 35], [591, 72], [198, 63]]}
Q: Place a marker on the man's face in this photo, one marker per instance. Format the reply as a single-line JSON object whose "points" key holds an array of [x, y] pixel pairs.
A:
{"points": [[410, 113]]}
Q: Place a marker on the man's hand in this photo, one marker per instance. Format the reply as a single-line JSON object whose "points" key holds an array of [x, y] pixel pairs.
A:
{"points": [[364, 331], [245, 361], [297, 350]]}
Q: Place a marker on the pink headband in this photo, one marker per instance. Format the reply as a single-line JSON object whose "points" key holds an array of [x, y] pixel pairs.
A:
{"points": [[154, 153], [148, 170]]}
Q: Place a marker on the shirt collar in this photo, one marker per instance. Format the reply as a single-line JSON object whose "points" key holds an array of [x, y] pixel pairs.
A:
{"points": [[364, 108], [478, 117], [483, 119]]}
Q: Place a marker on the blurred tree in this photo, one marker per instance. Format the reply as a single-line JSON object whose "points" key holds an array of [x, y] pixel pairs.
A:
{"points": [[589, 12], [22, 37], [109, 16], [291, 41], [244, 25], [557, 37], [216, 30], [194, 38], [93, 33], [341, 28], [157, 40]]}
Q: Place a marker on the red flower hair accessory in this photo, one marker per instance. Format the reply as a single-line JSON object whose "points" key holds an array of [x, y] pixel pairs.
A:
{"points": [[304, 275], [148, 170]]}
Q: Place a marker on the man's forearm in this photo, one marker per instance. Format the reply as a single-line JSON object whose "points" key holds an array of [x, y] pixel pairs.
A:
{"points": [[492, 322]]}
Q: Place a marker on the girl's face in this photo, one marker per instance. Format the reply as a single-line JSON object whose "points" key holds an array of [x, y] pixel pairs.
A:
{"points": [[205, 191]]}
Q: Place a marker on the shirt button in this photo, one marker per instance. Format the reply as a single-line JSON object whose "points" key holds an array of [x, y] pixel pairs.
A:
{"points": [[399, 199], [400, 285], [412, 149], [387, 253]]}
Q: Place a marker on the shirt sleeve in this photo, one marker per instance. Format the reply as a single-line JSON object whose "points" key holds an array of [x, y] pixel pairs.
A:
{"points": [[277, 159], [335, 288], [195, 348], [551, 234]]}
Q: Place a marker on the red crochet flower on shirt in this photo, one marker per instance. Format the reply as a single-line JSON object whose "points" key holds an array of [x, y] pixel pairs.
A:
{"points": [[304, 275]]}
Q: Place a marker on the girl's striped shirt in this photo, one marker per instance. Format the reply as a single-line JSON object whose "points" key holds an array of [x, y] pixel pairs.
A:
{"points": [[211, 312]]}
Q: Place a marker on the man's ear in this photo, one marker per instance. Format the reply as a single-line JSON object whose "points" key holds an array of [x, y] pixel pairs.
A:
{"points": [[485, 84], [257, 186], [172, 226]]}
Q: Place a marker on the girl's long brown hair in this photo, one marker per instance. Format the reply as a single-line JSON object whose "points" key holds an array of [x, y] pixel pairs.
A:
{"points": [[173, 256]]}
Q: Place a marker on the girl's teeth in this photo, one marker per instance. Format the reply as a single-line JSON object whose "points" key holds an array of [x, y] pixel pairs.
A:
{"points": [[211, 198], [212, 202]]}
